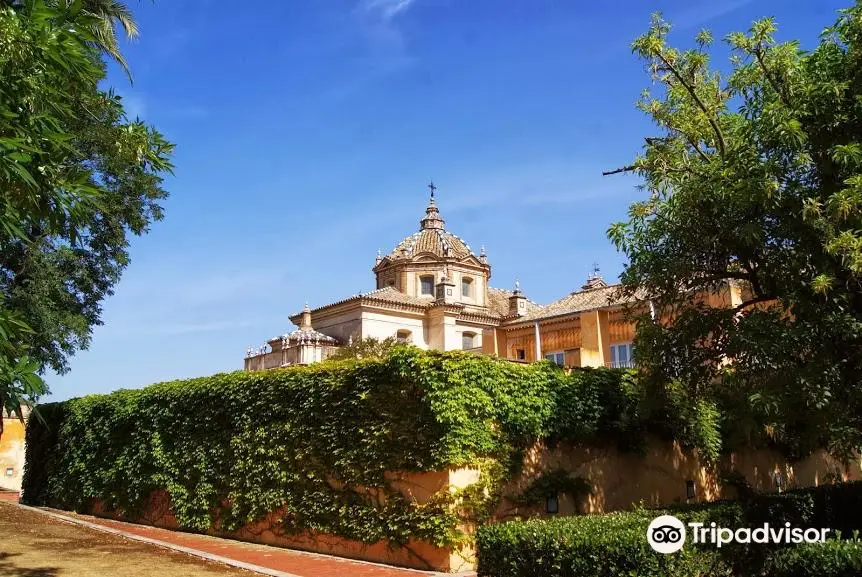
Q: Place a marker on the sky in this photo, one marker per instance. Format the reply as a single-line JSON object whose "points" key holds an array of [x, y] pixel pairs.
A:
{"points": [[307, 131]]}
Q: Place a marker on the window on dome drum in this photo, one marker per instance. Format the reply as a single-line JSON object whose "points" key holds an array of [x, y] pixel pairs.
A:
{"points": [[403, 336], [466, 287], [622, 356], [557, 357], [468, 341], [391, 283], [427, 283]]}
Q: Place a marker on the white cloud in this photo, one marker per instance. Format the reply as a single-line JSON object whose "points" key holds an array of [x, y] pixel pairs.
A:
{"points": [[385, 10]]}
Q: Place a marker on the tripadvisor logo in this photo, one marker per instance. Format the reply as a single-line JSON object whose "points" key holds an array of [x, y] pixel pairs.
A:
{"points": [[667, 534]]}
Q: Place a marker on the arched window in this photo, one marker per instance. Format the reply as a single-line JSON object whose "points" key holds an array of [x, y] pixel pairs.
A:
{"points": [[403, 336], [427, 283], [466, 287], [468, 341]]}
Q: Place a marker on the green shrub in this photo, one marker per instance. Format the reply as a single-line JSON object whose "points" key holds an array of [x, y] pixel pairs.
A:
{"points": [[589, 546], [616, 544], [832, 559], [236, 446]]}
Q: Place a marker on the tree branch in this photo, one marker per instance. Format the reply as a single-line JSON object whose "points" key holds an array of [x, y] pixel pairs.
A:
{"points": [[629, 168], [718, 134], [758, 54], [694, 145], [754, 301]]}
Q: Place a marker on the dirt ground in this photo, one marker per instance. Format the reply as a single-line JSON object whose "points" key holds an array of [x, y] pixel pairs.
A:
{"points": [[34, 545]]}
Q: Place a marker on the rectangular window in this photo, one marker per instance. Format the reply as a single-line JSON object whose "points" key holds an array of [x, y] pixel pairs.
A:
{"points": [[466, 285], [468, 341], [558, 358], [521, 355], [427, 285], [622, 356]]}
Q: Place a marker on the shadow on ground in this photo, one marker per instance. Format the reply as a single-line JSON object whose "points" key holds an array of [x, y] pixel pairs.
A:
{"points": [[9, 568]]}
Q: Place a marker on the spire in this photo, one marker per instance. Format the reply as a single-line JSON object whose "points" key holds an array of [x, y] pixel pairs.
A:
{"points": [[432, 215], [306, 317], [594, 279]]}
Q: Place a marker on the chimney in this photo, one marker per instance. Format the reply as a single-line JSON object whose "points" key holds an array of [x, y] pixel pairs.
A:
{"points": [[445, 288], [517, 302]]}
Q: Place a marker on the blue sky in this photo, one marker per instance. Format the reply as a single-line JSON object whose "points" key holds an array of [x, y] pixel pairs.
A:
{"points": [[307, 131]]}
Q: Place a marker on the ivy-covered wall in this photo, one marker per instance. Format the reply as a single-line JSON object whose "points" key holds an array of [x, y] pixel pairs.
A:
{"points": [[318, 441]]}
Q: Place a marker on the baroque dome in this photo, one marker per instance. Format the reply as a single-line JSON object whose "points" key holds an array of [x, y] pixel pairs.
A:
{"points": [[432, 238]]}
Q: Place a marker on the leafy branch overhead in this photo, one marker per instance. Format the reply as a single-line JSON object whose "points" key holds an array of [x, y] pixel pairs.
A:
{"points": [[78, 178], [754, 180]]}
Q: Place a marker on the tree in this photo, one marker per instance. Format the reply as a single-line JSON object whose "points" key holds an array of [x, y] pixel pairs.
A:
{"points": [[102, 17], [103, 29], [755, 179], [368, 347], [76, 179]]}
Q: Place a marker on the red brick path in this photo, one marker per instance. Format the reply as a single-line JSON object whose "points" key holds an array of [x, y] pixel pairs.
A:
{"points": [[288, 561]]}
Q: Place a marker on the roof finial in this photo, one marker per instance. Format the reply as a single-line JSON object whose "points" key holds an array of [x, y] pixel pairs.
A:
{"points": [[595, 272], [517, 286], [432, 215]]}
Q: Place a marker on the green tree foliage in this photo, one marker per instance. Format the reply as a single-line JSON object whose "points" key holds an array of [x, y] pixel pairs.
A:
{"points": [[77, 178], [755, 178]]}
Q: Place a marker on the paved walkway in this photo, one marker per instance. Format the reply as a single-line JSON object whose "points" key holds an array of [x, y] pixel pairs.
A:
{"points": [[273, 561], [8, 496]]}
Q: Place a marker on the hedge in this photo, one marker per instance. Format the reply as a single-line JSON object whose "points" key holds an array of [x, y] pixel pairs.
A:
{"points": [[236, 446], [833, 558], [616, 544]]}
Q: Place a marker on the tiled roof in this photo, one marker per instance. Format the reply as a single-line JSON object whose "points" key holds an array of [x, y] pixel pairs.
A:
{"points": [[498, 302], [386, 294], [583, 300], [309, 335], [436, 241]]}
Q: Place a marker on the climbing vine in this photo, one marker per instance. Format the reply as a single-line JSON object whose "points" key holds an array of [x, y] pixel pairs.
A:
{"points": [[321, 442]]}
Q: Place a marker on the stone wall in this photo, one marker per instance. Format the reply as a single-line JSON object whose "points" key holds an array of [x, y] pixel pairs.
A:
{"points": [[12, 454], [658, 477], [419, 487], [620, 481]]}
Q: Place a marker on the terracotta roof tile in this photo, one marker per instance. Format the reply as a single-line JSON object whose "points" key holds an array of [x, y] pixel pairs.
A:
{"points": [[584, 300], [431, 240], [385, 294], [498, 302]]}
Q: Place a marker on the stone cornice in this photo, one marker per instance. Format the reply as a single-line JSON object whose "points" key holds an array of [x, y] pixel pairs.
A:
{"points": [[359, 301], [479, 318]]}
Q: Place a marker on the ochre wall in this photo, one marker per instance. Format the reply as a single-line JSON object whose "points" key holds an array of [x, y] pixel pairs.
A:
{"points": [[585, 338], [419, 487], [12, 454], [621, 480]]}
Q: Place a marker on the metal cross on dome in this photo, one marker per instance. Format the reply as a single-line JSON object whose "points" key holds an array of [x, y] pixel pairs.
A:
{"points": [[432, 188]]}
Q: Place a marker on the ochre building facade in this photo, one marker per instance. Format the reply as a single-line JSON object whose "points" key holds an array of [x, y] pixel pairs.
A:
{"points": [[434, 292]]}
